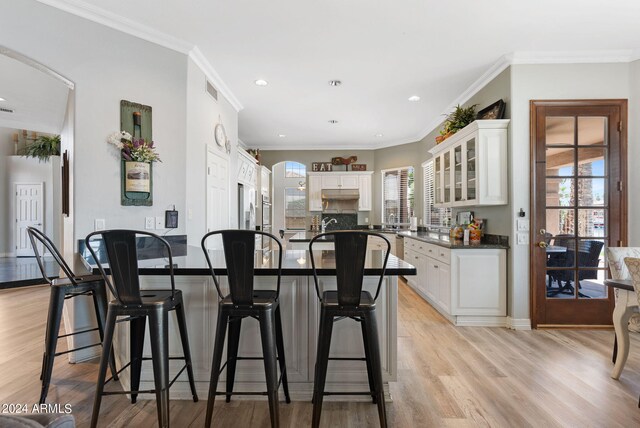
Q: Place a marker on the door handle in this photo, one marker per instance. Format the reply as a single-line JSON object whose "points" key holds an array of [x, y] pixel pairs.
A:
{"points": [[542, 244]]}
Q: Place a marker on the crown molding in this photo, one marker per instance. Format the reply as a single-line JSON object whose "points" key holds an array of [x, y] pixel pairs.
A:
{"points": [[203, 63], [572, 57], [144, 32], [120, 23]]}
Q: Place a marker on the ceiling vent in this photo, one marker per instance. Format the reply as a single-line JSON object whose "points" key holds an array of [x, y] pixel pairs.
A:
{"points": [[211, 90], [6, 110]]}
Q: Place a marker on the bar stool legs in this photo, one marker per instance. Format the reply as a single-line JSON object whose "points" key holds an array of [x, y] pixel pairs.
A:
{"points": [[159, 335], [372, 353], [102, 370], [273, 352], [54, 316]]}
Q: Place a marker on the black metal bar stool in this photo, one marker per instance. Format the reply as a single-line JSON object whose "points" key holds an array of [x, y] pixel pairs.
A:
{"points": [[136, 305], [242, 302], [62, 289], [349, 301]]}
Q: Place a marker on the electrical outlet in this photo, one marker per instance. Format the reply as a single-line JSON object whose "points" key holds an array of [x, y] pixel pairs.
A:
{"points": [[523, 238], [149, 223], [159, 222], [99, 224]]}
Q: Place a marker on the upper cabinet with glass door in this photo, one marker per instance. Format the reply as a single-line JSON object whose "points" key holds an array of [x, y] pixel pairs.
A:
{"points": [[471, 166]]}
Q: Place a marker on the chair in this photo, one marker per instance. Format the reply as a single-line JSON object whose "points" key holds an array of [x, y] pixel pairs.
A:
{"points": [[349, 301], [618, 269], [63, 289], [121, 251], [242, 302], [588, 256], [633, 266]]}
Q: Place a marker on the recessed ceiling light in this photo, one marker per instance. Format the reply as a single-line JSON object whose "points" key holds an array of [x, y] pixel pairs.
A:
{"points": [[414, 98], [282, 135], [333, 121], [379, 135], [261, 82], [335, 82], [2, 99]]}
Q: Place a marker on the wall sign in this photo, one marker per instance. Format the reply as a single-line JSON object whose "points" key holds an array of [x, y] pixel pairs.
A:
{"points": [[321, 166]]}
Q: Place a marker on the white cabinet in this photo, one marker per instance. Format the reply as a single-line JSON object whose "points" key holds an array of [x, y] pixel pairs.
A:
{"points": [[375, 243], [340, 181], [364, 186], [470, 167], [316, 181], [468, 286], [314, 187]]}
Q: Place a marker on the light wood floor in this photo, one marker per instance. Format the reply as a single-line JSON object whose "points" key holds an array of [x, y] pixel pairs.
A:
{"points": [[447, 376]]}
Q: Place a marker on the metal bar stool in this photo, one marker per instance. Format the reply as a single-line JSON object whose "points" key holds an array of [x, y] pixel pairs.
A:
{"points": [[242, 302], [348, 301], [136, 306], [62, 289]]}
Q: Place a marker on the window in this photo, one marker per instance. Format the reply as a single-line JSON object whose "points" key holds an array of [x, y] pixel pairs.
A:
{"points": [[433, 216], [397, 195], [295, 208], [295, 170]]}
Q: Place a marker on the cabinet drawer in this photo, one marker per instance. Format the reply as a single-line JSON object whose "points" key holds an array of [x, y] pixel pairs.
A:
{"points": [[443, 254]]}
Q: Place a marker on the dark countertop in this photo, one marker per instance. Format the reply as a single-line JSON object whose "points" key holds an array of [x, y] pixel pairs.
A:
{"points": [[306, 236], [444, 241], [293, 263]]}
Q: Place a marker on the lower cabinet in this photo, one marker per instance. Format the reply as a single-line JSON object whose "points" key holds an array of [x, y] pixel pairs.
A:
{"points": [[468, 286]]}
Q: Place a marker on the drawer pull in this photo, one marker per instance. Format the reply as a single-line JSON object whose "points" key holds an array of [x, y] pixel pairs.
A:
{"points": [[435, 266], [441, 254], [430, 251], [416, 257]]}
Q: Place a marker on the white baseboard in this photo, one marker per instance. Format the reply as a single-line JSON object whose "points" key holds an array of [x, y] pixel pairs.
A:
{"points": [[480, 321], [518, 323], [7, 254]]}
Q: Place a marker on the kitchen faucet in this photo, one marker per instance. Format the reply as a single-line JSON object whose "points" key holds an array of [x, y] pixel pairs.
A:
{"points": [[323, 225], [392, 218]]}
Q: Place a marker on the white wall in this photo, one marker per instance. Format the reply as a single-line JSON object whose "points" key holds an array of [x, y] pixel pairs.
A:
{"points": [[106, 67], [6, 149], [633, 154], [540, 82], [203, 113]]}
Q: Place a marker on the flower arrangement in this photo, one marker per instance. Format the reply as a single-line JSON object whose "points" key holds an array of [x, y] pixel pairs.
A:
{"points": [[132, 149]]}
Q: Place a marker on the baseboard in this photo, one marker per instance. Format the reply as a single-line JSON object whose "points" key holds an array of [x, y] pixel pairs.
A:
{"points": [[518, 323], [480, 321], [7, 254]]}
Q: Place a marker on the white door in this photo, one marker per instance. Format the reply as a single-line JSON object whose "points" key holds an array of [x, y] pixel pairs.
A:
{"points": [[29, 212], [217, 192]]}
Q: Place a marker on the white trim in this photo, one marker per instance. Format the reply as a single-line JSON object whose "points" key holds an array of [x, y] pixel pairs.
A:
{"points": [[144, 32], [4, 255], [572, 57], [40, 67], [120, 23], [203, 63], [518, 323]]}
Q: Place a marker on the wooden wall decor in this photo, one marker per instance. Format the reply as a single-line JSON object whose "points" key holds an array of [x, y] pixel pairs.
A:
{"points": [[358, 167], [321, 166], [136, 120], [65, 183]]}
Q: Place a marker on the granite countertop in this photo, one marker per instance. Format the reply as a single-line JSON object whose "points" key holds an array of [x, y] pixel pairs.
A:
{"points": [[308, 235], [294, 262], [456, 244]]}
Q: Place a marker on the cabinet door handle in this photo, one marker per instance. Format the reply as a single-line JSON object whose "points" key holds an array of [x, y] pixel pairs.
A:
{"points": [[430, 251], [416, 257], [441, 254], [435, 266]]}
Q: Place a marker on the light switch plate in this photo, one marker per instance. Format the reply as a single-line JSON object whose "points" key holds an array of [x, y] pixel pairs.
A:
{"points": [[99, 224], [523, 238], [523, 225], [149, 223]]}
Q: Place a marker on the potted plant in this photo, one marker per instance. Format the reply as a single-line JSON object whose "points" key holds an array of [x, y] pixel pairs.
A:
{"points": [[136, 155], [42, 148], [456, 120]]}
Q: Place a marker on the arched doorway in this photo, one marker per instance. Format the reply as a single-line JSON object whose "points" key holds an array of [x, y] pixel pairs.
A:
{"points": [[289, 197]]}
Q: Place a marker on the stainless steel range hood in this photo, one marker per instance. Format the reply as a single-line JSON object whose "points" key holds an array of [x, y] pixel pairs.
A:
{"points": [[340, 201], [341, 194]]}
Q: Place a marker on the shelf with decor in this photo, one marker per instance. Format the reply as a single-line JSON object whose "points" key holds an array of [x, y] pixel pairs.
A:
{"points": [[475, 160]]}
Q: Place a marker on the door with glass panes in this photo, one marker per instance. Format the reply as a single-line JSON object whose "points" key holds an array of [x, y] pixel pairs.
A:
{"points": [[578, 208]]}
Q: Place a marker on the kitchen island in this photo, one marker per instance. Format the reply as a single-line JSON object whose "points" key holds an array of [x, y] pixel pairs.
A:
{"points": [[300, 316]]}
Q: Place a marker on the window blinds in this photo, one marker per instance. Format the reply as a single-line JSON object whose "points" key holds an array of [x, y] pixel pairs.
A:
{"points": [[433, 216], [397, 197]]}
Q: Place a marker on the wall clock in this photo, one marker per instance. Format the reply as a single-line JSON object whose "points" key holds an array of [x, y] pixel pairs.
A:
{"points": [[220, 135]]}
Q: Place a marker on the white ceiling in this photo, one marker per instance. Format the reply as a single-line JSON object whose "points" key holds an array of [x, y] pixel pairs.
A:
{"points": [[383, 51], [38, 100]]}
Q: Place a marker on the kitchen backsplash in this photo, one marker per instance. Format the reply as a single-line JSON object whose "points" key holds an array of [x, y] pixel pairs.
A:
{"points": [[344, 221]]}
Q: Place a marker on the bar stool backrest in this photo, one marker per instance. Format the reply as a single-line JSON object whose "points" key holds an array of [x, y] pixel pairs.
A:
{"points": [[350, 256], [122, 254], [37, 235], [239, 253]]}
